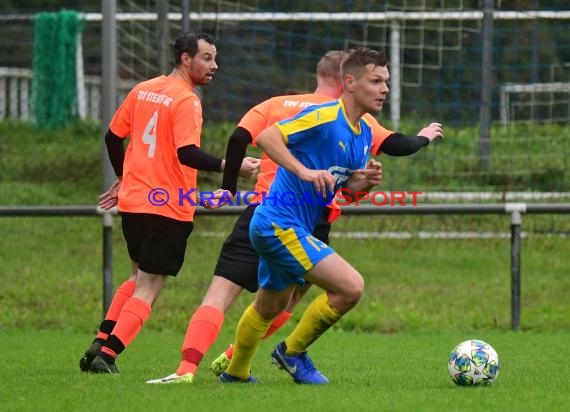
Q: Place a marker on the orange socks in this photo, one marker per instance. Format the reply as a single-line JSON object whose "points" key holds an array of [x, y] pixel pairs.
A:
{"points": [[203, 329], [277, 323], [124, 292], [134, 314]]}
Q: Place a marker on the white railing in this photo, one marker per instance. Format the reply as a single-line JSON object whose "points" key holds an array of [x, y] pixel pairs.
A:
{"points": [[15, 86], [16, 98]]}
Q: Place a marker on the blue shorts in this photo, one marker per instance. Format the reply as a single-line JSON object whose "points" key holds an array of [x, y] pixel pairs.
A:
{"points": [[285, 253]]}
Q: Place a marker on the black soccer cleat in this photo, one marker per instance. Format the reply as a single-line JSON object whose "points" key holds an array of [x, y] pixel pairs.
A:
{"points": [[85, 361], [99, 365]]}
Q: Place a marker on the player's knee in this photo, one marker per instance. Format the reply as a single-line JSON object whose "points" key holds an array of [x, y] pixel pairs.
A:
{"points": [[353, 290], [269, 307], [356, 290]]}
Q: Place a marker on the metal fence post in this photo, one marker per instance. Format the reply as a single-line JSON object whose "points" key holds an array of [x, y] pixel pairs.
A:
{"points": [[395, 72], [109, 69], [516, 222], [485, 106]]}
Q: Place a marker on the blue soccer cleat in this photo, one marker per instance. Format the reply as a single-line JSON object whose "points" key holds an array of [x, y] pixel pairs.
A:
{"points": [[227, 378], [300, 367]]}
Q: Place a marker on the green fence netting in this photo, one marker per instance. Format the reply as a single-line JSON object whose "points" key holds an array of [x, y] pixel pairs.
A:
{"points": [[54, 90]]}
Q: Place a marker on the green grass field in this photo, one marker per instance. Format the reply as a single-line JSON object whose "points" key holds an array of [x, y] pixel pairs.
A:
{"points": [[423, 296], [368, 372], [389, 353], [52, 271]]}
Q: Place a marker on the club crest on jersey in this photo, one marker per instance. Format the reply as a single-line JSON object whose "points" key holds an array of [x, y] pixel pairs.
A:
{"points": [[341, 174]]}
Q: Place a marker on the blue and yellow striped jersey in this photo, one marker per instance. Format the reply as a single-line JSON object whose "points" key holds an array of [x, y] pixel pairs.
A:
{"points": [[321, 138]]}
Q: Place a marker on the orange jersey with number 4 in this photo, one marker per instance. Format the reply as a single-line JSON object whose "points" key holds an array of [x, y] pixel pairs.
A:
{"points": [[280, 108], [159, 115]]}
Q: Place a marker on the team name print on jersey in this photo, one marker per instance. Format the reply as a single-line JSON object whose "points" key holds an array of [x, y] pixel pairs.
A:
{"points": [[153, 97]]}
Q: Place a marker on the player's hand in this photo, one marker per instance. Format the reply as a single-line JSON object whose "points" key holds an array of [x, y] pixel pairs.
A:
{"points": [[432, 132], [220, 198], [372, 173], [249, 167], [322, 180], [110, 198]]}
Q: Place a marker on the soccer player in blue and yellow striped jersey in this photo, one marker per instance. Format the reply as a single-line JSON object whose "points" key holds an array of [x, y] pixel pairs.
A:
{"points": [[323, 148]]}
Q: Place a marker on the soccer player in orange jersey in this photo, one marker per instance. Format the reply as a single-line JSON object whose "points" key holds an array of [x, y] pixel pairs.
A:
{"points": [[156, 189], [237, 264]]}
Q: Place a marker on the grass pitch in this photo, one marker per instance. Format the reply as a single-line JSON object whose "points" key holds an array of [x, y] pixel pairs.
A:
{"points": [[368, 372]]}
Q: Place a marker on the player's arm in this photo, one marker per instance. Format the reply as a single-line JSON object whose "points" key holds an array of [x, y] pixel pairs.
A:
{"points": [[116, 151], [235, 153], [398, 144], [192, 156], [365, 179], [235, 156], [272, 143], [188, 143]]}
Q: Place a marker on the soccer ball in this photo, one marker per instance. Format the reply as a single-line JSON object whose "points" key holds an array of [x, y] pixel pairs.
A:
{"points": [[473, 362]]}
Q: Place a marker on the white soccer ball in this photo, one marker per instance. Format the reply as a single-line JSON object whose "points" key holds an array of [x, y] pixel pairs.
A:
{"points": [[473, 362]]}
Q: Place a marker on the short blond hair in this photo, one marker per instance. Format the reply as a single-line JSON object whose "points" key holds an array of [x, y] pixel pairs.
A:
{"points": [[330, 64]]}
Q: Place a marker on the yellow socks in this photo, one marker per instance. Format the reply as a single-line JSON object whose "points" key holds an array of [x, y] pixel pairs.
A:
{"points": [[250, 331], [317, 318]]}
